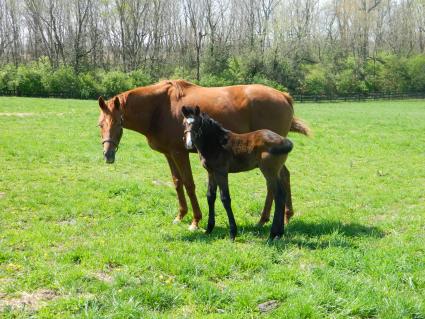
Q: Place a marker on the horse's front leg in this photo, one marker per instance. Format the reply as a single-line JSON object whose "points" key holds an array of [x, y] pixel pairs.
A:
{"points": [[211, 196], [178, 185], [223, 184], [181, 159]]}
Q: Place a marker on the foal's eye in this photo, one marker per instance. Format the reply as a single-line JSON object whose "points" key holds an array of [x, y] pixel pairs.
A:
{"points": [[100, 125]]}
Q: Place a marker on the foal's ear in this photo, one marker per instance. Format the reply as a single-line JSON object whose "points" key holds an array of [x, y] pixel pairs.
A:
{"points": [[117, 103], [197, 110], [185, 111], [102, 104]]}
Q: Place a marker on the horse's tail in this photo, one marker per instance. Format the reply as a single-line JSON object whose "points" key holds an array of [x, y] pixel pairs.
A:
{"points": [[283, 148], [299, 126]]}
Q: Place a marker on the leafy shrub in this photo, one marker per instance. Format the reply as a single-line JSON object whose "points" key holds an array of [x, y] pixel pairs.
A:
{"points": [[316, 80], [90, 86], [416, 71], [30, 81], [140, 78], [115, 82], [64, 80], [259, 79], [8, 77]]}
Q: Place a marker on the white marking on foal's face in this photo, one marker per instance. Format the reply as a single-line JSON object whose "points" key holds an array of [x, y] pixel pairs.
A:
{"points": [[188, 137]]}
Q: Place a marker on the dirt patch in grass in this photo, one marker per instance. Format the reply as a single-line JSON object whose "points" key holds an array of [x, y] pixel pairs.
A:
{"points": [[16, 114], [30, 300], [103, 276]]}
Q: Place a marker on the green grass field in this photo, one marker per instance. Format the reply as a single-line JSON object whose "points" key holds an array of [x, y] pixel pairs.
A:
{"points": [[79, 238]]}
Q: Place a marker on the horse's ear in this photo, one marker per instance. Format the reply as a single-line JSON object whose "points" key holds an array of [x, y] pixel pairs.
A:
{"points": [[185, 111], [117, 103], [197, 110], [102, 104]]}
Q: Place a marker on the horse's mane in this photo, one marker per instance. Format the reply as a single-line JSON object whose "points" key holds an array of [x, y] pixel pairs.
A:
{"points": [[179, 87]]}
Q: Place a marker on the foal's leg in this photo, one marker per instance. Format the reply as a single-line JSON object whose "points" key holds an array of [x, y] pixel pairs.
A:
{"points": [[277, 229], [178, 185], [223, 184], [285, 178], [181, 160], [211, 196]]}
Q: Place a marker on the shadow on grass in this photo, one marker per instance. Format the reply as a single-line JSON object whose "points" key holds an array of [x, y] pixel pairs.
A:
{"points": [[310, 235]]}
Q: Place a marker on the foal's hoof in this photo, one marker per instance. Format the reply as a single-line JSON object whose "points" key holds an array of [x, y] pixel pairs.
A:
{"points": [[262, 222], [193, 226]]}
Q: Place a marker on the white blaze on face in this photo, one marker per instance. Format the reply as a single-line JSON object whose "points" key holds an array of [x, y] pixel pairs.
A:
{"points": [[188, 137]]}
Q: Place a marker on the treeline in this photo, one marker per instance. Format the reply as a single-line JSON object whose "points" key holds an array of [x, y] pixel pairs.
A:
{"points": [[388, 74], [89, 47]]}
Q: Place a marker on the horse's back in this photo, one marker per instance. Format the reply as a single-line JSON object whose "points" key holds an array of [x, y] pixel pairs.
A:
{"points": [[244, 108]]}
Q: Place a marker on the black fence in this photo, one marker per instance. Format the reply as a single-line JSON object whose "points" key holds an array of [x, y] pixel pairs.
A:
{"points": [[359, 97], [297, 97], [62, 95]]}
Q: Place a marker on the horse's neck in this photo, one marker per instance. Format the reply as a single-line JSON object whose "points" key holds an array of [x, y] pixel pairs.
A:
{"points": [[139, 113]]}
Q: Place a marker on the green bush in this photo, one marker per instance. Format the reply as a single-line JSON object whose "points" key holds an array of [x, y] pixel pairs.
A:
{"points": [[260, 79], [8, 77], [318, 80], [115, 82], [30, 80], [90, 86], [140, 78], [64, 80], [416, 71]]}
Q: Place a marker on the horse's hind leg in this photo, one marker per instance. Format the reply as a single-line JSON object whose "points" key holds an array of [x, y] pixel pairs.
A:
{"points": [[265, 214], [286, 183], [178, 185]]}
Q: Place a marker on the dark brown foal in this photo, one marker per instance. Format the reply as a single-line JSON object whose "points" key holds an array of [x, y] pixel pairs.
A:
{"points": [[222, 152]]}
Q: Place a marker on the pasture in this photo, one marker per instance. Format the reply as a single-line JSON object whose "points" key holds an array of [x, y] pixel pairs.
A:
{"points": [[79, 238]]}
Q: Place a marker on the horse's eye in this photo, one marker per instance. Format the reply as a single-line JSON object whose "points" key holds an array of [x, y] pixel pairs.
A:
{"points": [[100, 125]]}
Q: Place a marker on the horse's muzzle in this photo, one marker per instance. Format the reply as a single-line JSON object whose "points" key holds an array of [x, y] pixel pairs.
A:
{"points": [[109, 156]]}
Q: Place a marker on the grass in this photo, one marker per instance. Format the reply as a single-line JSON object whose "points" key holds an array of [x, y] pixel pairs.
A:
{"points": [[79, 238]]}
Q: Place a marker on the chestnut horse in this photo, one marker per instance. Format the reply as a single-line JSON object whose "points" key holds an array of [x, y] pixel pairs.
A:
{"points": [[155, 111]]}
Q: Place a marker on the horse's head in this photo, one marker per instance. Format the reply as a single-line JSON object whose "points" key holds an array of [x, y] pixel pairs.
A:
{"points": [[111, 127], [192, 124]]}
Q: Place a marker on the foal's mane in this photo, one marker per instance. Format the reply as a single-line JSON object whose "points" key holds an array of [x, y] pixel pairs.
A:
{"points": [[213, 130]]}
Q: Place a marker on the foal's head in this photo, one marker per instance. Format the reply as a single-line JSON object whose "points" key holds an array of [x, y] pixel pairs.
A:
{"points": [[202, 131], [111, 127], [192, 125]]}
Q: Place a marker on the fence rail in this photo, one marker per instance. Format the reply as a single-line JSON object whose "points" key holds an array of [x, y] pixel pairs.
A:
{"points": [[297, 97], [359, 97]]}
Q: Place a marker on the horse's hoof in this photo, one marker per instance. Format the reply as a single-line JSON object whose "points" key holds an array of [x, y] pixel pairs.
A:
{"points": [[288, 216], [177, 220], [193, 227]]}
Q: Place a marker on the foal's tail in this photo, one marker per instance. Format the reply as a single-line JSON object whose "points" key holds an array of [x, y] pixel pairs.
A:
{"points": [[283, 148]]}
